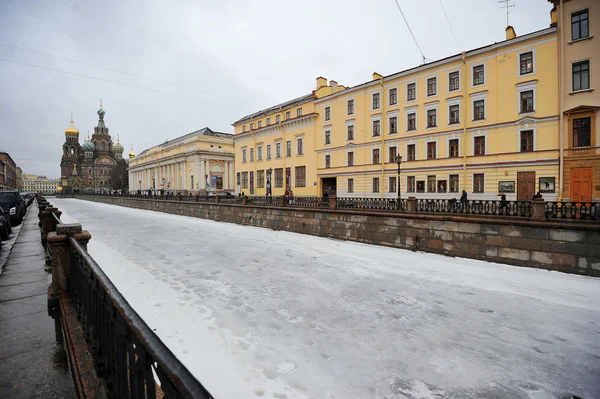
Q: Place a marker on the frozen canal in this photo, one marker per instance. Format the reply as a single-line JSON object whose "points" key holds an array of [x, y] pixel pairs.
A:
{"points": [[259, 313]]}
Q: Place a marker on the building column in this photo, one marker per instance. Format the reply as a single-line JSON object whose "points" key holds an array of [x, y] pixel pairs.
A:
{"points": [[197, 173], [207, 179], [202, 173], [226, 176]]}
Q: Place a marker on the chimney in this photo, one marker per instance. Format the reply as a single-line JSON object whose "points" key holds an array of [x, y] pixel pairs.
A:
{"points": [[510, 33], [333, 85], [321, 82], [553, 17], [377, 76]]}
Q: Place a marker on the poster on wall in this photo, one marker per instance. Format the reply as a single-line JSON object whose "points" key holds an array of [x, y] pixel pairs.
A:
{"points": [[506, 187], [252, 183], [547, 184]]}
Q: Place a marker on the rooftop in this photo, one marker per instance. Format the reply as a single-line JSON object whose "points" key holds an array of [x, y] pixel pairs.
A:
{"points": [[277, 107], [202, 132]]}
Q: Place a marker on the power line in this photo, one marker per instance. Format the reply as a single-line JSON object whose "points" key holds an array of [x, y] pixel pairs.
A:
{"points": [[119, 83], [118, 71], [450, 25], [410, 30]]}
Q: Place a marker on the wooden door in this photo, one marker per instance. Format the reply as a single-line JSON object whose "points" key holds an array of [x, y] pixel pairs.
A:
{"points": [[581, 184], [525, 186]]}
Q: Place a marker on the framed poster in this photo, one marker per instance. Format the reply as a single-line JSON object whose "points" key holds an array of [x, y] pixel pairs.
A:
{"points": [[547, 184], [252, 183], [506, 186]]}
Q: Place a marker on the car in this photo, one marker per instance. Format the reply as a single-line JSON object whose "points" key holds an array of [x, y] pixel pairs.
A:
{"points": [[213, 193], [5, 227], [227, 194], [15, 204]]}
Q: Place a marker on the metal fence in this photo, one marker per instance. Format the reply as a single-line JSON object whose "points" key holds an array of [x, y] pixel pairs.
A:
{"points": [[476, 207], [573, 210], [371, 203], [308, 202]]}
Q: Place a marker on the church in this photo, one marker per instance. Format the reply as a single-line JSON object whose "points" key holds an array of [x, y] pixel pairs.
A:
{"points": [[97, 165]]}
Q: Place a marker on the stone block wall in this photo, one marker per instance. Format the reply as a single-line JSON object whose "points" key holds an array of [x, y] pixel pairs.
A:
{"points": [[562, 246]]}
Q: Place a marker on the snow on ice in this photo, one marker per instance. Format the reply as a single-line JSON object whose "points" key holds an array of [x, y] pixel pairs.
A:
{"points": [[258, 313]]}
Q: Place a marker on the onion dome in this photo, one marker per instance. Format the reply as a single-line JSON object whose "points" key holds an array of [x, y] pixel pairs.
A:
{"points": [[101, 111], [118, 148], [88, 145], [72, 130], [131, 153]]}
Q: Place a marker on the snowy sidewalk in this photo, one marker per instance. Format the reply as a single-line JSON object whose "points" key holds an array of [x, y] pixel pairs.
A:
{"points": [[259, 313]]}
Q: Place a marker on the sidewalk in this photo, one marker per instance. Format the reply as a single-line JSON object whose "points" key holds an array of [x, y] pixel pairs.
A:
{"points": [[33, 359]]}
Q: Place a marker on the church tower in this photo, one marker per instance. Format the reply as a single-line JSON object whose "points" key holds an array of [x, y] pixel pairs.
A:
{"points": [[101, 139], [69, 162]]}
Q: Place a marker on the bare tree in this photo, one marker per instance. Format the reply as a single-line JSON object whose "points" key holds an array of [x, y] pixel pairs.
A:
{"points": [[119, 176]]}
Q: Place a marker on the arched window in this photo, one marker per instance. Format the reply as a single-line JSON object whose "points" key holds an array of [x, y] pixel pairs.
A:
{"points": [[72, 150]]}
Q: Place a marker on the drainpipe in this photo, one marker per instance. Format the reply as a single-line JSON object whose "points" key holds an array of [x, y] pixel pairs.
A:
{"points": [[382, 128], [464, 135], [561, 138]]}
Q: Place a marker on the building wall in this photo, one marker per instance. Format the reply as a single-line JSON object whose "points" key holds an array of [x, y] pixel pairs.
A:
{"points": [[10, 171], [35, 184]]}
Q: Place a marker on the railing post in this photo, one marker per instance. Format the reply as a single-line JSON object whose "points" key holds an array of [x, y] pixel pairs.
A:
{"points": [[281, 201], [332, 202], [538, 209], [411, 205], [58, 241], [244, 200], [47, 222]]}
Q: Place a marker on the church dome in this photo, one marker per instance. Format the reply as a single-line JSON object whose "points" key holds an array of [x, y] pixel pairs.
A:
{"points": [[118, 148], [131, 153], [88, 145], [71, 129]]}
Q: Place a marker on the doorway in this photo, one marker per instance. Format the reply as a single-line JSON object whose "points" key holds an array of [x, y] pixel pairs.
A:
{"points": [[581, 184], [525, 186], [329, 186]]}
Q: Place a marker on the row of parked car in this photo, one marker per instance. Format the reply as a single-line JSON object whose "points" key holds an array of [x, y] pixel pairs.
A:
{"points": [[13, 206]]}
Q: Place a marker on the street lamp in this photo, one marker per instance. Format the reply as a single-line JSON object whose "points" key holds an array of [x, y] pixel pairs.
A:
{"points": [[269, 177], [398, 162], [206, 182]]}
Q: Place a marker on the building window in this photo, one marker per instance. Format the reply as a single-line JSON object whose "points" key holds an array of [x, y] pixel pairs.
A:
{"points": [[350, 158], [453, 81], [350, 185], [279, 178], [478, 110], [527, 141], [411, 152], [327, 136], [259, 153], [581, 75], [327, 113], [251, 154], [350, 132], [327, 161], [431, 184], [375, 155], [300, 147], [299, 112], [268, 121], [478, 183], [350, 107], [478, 75], [411, 91], [260, 179], [454, 184], [580, 25], [431, 117], [243, 128], [441, 186], [393, 153], [582, 132], [288, 148], [376, 128], [288, 115], [244, 179], [259, 124], [420, 186], [252, 126], [393, 124], [526, 62], [479, 144], [411, 121], [431, 86], [376, 101], [376, 184], [454, 111], [277, 150], [392, 184], [277, 118], [300, 176], [393, 96], [453, 148], [527, 101], [244, 156], [269, 151], [410, 184], [431, 150]]}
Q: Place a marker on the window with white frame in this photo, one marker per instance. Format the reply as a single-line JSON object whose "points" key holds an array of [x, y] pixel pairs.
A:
{"points": [[327, 161], [526, 97], [431, 86], [393, 124], [411, 91], [259, 153], [268, 151], [299, 112], [350, 107], [327, 137], [259, 124], [376, 127], [478, 73], [244, 156], [278, 150], [526, 140], [454, 81], [376, 100], [251, 154], [327, 113], [393, 96], [350, 131], [479, 106], [527, 63], [300, 146]]}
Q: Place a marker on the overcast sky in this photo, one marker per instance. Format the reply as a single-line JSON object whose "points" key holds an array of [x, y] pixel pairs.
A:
{"points": [[228, 57]]}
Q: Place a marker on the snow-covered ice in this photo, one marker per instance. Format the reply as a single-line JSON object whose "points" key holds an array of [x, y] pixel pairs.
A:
{"points": [[255, 313]]}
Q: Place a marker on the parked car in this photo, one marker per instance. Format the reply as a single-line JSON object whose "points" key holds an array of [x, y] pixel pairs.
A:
{"points": [[5, 227], [228, 194], [15, 204]]}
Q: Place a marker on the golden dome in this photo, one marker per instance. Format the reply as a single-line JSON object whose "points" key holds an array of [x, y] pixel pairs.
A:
{"points": [[131, 153], [71, 129]]}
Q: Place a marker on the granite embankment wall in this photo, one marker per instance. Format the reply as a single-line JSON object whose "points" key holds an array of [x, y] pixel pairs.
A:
{"points": [[564, 246]]}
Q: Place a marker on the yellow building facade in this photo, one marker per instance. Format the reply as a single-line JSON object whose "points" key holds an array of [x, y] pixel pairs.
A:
{"points": [[39, 184], [197, 162], [485, 121]]}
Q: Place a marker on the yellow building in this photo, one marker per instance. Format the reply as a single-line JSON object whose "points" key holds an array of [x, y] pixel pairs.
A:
{"points": [[39, 184], [485, 121], [197, 162]]}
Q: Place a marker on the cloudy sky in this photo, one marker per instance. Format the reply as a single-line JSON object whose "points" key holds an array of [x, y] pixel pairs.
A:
{"points": [[172, 67]]}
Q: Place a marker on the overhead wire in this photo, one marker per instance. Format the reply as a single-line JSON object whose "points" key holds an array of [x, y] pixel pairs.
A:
{"points": [[410, 30], [450, 25]]}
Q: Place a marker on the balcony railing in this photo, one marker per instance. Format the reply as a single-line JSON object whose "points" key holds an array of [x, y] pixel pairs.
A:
{"points": [[476, 207], [371, 203], [573, 210]]}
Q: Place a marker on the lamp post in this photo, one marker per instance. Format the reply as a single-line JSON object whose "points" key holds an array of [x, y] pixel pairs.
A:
{"points": [[269, 174], [398, 162]]}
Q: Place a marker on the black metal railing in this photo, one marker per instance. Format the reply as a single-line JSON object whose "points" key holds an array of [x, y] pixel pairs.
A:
{"points": [[476, 207], [263, 200], [371, 203], [128, 355], [573, 210], [308, 202]]}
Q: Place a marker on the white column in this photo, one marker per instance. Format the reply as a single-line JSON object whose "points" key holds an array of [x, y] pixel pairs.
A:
{"points": [[226, 176], [202, 173], [207, 179], [197, 173], [183, 174]]}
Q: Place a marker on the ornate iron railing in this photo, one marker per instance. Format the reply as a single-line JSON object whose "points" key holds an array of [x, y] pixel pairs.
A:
{"points": [[371, 203], [308, 202], [573, 210], [128, 355], [476, 207], [263, 200]]}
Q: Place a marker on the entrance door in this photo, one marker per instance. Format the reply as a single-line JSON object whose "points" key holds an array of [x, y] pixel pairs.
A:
{"points": [[329, 186], [581, 184], [525, 186]]}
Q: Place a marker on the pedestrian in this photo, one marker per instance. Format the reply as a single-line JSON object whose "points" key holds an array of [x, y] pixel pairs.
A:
{"points": [[464, 201], [538, 195], [503, 204]]}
